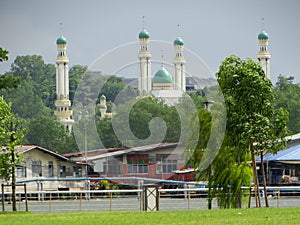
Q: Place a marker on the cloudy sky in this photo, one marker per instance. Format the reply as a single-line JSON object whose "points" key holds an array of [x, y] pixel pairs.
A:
{"points": [[212, 29]]}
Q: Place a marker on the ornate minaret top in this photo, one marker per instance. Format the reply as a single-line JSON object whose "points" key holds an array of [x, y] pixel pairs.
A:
{"points": [[263, 55], [144, 56]]}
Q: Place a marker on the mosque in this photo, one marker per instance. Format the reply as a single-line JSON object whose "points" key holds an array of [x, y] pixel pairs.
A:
{"points": [[163, 85]]}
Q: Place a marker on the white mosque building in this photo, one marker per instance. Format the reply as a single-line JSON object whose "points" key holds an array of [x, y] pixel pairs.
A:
{"points": [[162, 85]]}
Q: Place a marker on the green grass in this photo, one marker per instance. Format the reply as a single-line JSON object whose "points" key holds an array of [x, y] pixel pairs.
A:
{"points": [[251, 216]]}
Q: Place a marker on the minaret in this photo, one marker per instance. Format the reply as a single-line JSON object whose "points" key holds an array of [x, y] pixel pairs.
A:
{"points": [[62, 103], [103, 106], [145, 64], [179, 65], [263, 55]]}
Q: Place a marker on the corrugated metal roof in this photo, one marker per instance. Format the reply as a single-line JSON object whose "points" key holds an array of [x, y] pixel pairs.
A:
{"points": [[289, 154], [132, 150]]}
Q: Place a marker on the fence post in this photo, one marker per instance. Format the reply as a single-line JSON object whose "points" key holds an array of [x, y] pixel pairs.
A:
{"points": [[189, 198], [26, 202], [110, 201], [278, 198], [80, 201], [50, 202], [20, 200], [150, 197], [2, 190]]}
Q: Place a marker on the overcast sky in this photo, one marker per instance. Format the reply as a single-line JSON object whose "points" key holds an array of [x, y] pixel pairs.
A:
{"points": [[212, 29]]}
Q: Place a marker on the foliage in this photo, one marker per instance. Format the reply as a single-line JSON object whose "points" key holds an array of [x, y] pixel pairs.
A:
{"points": [[140, 112], [47, 132], [7, 81], [3, 55], [112, 87], [287, 96], [107, 134], [10, 136], [249, 97]]}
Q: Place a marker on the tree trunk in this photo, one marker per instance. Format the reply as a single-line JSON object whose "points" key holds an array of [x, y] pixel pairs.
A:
{"points": [[264, 177], [209, 195], [13, 172], [256, 186]]}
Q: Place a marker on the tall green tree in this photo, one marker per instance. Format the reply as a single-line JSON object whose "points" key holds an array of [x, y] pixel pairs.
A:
{"points": [[249, 98], [11, 135]]}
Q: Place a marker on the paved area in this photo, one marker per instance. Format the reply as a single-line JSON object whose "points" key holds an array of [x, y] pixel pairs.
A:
{"points": [[133, 204]]}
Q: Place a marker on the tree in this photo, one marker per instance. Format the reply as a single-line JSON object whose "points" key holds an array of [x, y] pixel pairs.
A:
{"points": [[3, 55], [112, 87], [145, 122], [11, 135], [287, 96], [7, 81], [249, 98], [47, 132], [41, 77], [25, 103], [76, 73]]}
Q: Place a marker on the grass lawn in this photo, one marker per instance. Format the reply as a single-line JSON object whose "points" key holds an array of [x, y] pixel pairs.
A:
{"points": [[259, 216]]}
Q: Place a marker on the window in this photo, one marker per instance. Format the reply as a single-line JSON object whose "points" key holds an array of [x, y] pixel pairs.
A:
{"points": [[137, 168], [37, 169], [50, 169], [77, 172], [62, 171], [21, 171], [137, 163], [112, 166], [166, 163]]}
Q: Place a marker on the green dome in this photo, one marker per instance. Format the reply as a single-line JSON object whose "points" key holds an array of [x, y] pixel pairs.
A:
{"points": [[162, 76], [178, 41], [102, 97], [61, 40], [263, 35], [103, 107], [144, 34]]}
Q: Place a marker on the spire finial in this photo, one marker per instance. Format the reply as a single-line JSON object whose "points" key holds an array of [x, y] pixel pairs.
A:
{"points": [[143, 22], [61, 28], [162, 58], [262, 23], [178, 30]]}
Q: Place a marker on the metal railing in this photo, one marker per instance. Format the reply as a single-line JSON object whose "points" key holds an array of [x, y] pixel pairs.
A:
{"points": [[114, 200]]}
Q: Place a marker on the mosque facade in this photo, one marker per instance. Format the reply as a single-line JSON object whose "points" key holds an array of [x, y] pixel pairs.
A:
{"points": [[162, 85]]}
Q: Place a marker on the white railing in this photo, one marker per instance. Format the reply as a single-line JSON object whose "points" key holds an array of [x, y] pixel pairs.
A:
{"points": [[103, 200]]}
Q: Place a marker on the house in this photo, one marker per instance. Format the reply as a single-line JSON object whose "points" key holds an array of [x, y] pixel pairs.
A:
{"points": [[40, 168], [156, 161], [283, 164]]}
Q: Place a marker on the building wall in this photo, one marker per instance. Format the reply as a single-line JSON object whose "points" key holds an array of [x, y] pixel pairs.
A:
{"points": [[40, 164], [157, 164]]}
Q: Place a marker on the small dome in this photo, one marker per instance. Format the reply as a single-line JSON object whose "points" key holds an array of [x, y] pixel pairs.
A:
{"points": [[162, 76], [102, 97], [144, 34], [61, 40], [263, 35], [178, 41]]}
